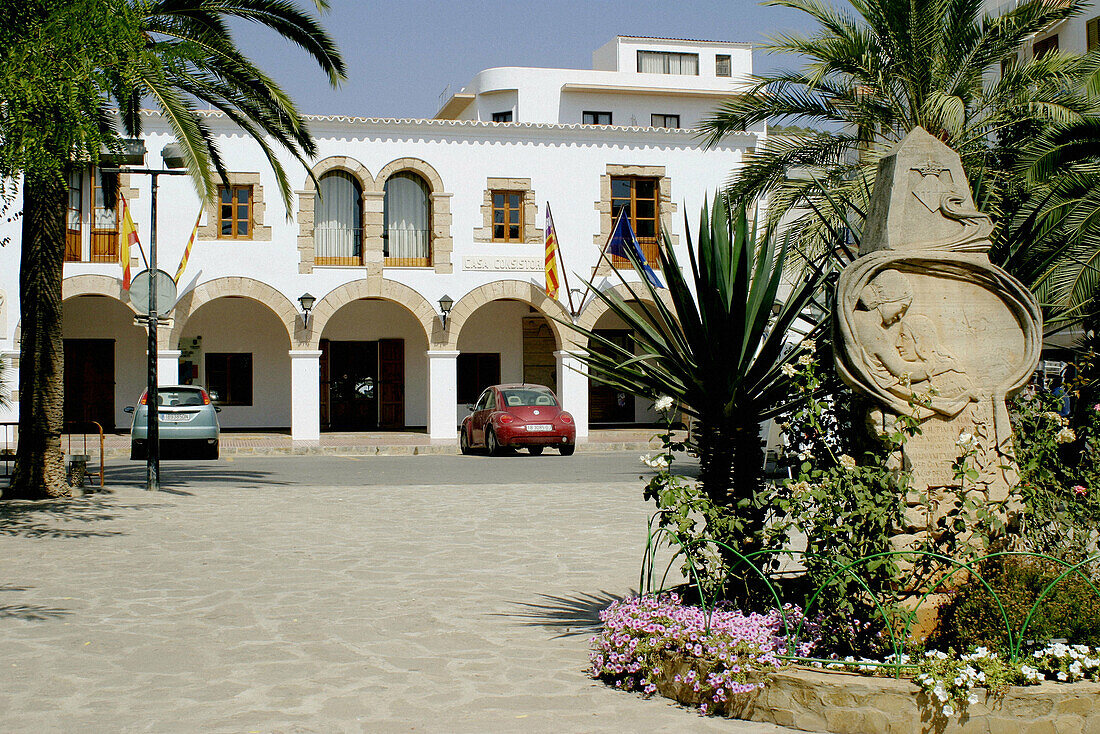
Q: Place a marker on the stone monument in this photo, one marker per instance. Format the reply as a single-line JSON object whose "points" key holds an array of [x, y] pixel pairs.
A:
{"points": [[929, 328]]}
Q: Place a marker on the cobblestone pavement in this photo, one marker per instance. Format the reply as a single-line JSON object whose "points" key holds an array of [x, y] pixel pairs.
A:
{"points": [[320, 609]]}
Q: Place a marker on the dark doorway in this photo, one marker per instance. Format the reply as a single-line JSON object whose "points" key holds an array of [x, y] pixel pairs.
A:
{"points": [[362, 384], [90, 381], [353, 385], [607, 404]]}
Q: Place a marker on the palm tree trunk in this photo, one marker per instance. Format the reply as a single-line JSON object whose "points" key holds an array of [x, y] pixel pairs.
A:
{"points": [[39, 471]]}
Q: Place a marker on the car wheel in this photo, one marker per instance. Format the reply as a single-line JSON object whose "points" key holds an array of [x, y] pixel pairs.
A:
{"points": [[211, 451], [137, 450], [567, 449], [535, 450], [464, 442], [492, 447]]}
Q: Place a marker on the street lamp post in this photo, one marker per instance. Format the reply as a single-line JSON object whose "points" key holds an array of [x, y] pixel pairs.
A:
{"points": [[173, 162]]}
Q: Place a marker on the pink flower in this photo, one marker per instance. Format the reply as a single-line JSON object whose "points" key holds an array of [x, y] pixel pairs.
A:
{"points": [[1079, 490]]}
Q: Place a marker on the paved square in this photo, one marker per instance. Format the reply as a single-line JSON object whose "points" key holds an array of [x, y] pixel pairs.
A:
{"points": [[285, 608]]}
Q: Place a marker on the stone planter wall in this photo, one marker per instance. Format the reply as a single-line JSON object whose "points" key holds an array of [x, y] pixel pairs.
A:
{"points": [[847, 703]]}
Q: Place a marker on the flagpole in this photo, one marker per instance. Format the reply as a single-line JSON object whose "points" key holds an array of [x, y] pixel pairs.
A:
{"points": [[561, 262]]}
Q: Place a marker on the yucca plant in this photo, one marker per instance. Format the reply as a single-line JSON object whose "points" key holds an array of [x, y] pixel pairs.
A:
{"points": [[719, 351]]}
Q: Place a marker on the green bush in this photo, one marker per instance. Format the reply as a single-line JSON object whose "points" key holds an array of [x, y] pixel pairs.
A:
{"points": [[971, 617]]}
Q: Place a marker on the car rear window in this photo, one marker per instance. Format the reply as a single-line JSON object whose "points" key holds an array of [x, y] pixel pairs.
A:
{"points": [[179, 397], [518, 398]]}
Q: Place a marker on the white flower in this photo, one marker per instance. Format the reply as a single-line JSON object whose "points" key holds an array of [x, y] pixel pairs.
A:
{"points": [[1062, 675], [847, 461], [966, 441], [805, 359], [809, 345], [1050, 415], [788, 370], [972, 699], [663, 403], [948, 711], [940, 692], [657, 461], [1066, 435]]}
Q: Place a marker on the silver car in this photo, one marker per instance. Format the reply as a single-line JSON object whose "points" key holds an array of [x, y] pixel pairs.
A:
{"points": [[187, 419]]}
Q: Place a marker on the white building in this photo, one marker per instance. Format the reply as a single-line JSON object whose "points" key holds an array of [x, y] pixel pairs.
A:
{"points": [[412, 210], [1079, 34]]}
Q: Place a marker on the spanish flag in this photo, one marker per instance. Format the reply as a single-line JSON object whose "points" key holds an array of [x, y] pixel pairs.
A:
{"points": [[127, 236], [552, 282], [187, 250]]}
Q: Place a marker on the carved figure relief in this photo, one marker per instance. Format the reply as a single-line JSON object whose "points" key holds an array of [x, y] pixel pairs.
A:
{"points": [[927, 326]]}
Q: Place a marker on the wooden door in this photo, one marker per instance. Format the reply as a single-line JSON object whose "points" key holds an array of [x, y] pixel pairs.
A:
{"points": [[323, 379], [608, 404], [90, 381], [391, 383]]}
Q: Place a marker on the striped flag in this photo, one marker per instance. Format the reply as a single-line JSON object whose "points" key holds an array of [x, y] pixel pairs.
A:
{"points": [[552, 282], [187, 250], [127, 236]]}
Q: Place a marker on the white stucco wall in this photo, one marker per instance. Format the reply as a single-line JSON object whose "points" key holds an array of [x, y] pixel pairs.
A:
{"points": [[241, 325], [91, 317]]}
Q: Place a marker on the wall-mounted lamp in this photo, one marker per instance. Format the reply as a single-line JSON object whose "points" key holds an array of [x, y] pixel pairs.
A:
{"points": [[306, 301], [445, 305]]}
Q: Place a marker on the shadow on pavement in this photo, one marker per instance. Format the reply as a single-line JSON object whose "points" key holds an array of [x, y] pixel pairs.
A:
{"points": [[573, 615], [173, 477], [41, 519], [29, 612]]}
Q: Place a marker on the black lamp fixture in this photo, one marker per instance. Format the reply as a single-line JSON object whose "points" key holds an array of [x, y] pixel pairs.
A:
{"points": [[306, 301], [445, 305]]}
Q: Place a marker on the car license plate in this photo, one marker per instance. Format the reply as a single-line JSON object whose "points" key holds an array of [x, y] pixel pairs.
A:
{"points": [[175, 417], [539, 427]]}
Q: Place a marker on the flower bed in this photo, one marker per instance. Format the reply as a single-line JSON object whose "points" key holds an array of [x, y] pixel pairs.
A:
{"points": [[656, 644], [648, 641]]}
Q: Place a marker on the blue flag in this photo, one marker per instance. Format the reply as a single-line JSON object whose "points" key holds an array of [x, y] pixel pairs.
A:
{"points": [[622, 238]]}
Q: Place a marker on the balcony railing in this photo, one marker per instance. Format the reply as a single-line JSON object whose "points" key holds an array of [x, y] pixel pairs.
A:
{"points": [[649, 249], [408, 248], [333, 245]]}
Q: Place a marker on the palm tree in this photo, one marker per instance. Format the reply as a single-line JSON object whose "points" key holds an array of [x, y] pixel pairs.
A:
{"points": [[1055, 234], [120, 53], [886, 67], [719, 351]]}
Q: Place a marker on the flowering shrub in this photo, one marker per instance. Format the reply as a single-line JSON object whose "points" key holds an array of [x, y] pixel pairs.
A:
{"points": [[1059, 476], [647, 640]]}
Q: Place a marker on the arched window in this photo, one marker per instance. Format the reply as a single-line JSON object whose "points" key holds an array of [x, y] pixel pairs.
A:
{"points": [[407, 233], [338, 227]]}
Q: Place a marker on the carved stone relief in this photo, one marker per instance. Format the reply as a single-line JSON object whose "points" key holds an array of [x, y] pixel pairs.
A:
{"points": [[930, 328]]}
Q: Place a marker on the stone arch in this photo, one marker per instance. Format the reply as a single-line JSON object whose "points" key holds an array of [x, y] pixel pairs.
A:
{"points": [[416, 165], [88, 284], [339, 163], [518, 290], [194, 299], [597, 308], [389, 290], [442, 244], [307, 204], [95, 285]]}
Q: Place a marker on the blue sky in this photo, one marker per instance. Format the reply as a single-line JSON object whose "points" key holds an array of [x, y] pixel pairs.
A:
{"points": [[402, 54]]}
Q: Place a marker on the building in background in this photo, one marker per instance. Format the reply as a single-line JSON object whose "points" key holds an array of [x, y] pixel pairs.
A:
{"points": [[394, 215]]}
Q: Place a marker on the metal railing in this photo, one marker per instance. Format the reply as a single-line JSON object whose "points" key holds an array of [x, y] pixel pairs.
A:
{"points": [[82, 443], [10, 431], [334, 245]]}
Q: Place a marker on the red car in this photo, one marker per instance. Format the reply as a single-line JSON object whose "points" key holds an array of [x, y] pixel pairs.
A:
{"points": [[508, 416]]}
